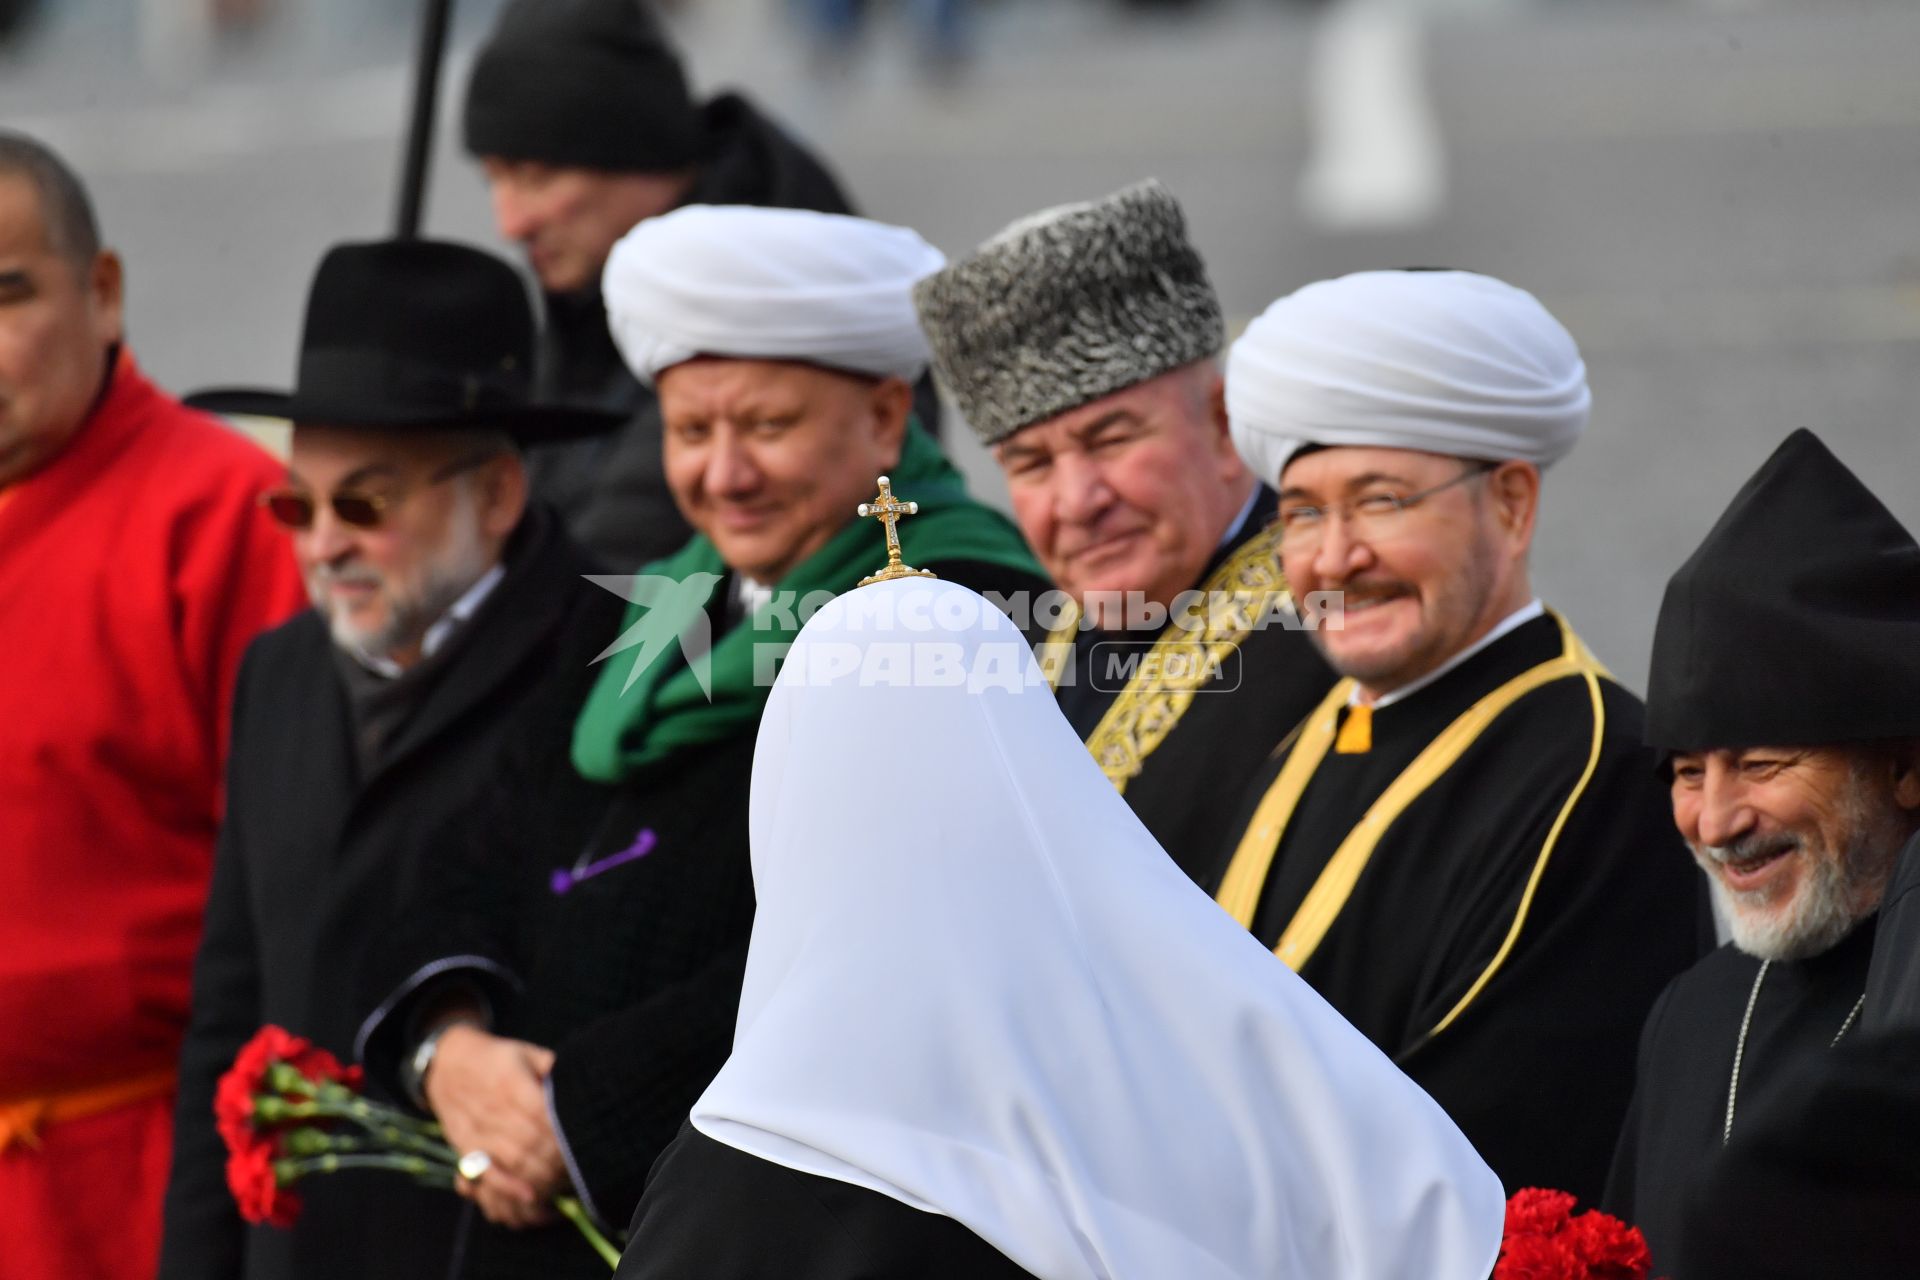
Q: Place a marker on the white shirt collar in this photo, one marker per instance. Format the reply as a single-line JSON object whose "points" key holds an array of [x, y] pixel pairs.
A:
{"points": [[1518, 618], [749, 595], [437, 634]]}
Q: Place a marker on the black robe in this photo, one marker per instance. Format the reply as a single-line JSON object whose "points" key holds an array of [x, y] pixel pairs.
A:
{"points": [[1537, 1067], [313, 854], [1673, 1132], [714, 1213], [1821, 1179], [1188, 789], [632, 976], [1893, 979]]}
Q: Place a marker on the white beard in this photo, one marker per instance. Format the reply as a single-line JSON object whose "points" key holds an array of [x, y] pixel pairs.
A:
{"points": [[1841, 887]]}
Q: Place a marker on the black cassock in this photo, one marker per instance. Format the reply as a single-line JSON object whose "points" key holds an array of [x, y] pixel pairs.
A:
{"points": [[1183, 759], [714, 1213], [1514, 921], [1820, 1180], [1893, 979], [1673, 1136]]}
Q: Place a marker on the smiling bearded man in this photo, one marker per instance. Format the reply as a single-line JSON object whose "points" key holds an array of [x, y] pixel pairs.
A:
{"points": [[446, 608], [1794, 623], [1464, 848]]}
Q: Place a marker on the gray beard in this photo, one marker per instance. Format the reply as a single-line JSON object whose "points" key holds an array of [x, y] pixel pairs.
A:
{"points": [[1843, 887]]}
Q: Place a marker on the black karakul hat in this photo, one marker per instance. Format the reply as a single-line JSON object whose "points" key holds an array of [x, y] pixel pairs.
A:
{"points": [[1797, 621], [415, 335], [1068, 306], [591, 84]]}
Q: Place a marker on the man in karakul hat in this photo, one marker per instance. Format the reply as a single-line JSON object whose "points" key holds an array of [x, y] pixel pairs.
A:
{"points": [[580, 114], [1783, 687], [602, 900], [1465, 847], [443, 602], [1081, 345]]}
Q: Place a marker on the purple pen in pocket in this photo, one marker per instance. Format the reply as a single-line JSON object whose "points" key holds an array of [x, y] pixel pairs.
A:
{"points": [[563, 880]]}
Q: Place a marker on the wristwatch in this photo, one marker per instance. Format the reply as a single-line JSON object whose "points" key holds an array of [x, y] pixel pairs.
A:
{"points": [[413, 1075]]}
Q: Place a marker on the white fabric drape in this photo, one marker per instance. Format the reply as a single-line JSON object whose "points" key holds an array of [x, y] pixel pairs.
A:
{"points": [[768, 284], [1443, 361], [978, 986]]}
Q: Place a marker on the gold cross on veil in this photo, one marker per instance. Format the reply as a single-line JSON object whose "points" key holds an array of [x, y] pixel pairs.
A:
{"points": [[888, 510]]}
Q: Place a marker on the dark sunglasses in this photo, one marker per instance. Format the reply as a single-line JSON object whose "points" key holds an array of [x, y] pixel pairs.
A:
{"points": [[294, 509]]}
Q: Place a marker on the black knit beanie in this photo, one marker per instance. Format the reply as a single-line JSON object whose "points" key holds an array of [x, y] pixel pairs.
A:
{"points": [[582, 84]]}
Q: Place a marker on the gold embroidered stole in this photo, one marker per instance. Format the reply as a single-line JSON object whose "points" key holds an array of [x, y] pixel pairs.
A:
{"points": [[1247, 873], [1246, 588]]}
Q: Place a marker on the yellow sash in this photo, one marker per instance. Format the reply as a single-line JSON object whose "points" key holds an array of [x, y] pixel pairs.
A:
{"points": [[1236, 598], [1247, 873]]}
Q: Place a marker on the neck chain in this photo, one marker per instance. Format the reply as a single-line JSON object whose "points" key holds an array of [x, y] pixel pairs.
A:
{"points": [[1740, 1046]]}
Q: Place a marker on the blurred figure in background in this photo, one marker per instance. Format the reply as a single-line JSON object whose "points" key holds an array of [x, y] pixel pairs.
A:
{"points": [[135, 567], [580, 115], [940, 26]]}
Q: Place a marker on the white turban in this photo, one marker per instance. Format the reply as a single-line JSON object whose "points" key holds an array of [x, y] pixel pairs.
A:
{"points": [[1443, 361], [768, 284]]}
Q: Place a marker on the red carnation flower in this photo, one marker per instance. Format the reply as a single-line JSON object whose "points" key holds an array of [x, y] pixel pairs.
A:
{"points": [[1613, 1250], [1545, 1257], [257, 1190], [1545, 1241], [1537, 1211], [246, 1079]]}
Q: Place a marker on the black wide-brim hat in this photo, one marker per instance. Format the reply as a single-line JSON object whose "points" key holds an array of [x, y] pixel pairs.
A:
{"points": [[415, 335]]}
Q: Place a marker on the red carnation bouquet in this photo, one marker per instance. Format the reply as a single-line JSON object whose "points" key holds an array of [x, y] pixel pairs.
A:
{"points": [[1546, 1240], [288, 1110]]}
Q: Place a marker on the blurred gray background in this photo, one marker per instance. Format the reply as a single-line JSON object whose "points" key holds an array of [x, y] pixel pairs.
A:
{"points": [[1721, 198]]}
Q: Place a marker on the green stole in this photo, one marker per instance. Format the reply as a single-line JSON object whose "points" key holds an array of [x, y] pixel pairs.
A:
{"points": [[635, 718]]}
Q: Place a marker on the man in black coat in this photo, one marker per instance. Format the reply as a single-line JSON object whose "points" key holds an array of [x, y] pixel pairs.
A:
{"points": [[443, 603], [580, 115], [1782, 687], [566, 996]]}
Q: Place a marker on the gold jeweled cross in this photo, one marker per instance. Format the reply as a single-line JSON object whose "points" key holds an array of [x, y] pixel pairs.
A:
{"points": [[888, 510]]}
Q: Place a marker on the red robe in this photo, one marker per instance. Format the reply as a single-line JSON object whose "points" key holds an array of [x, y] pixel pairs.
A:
{"points": [[134, 570]]}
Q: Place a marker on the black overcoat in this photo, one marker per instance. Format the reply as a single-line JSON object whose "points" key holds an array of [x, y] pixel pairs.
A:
{"points": [[803, 1226], [632, 976], [312, 859]]}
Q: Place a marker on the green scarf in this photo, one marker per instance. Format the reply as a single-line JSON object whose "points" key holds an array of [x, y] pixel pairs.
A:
{"points": [[636, 716]]}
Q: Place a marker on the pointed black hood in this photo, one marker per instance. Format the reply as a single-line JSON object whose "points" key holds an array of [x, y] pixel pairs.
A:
{"points": [[1797, 622]]}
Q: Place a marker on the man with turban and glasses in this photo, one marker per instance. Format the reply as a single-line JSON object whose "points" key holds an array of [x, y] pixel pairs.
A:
{"points": [[442, 602], [1464, 847]]}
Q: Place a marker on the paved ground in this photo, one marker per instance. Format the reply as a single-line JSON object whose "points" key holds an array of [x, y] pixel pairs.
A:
{"points": [[1718, 198]]}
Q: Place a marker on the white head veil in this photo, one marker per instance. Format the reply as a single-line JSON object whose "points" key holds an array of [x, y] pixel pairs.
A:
{"points": [[978, 986]]}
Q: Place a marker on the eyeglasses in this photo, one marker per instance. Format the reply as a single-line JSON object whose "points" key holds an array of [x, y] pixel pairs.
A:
{"points": [[294, 509], [1371, 515]]}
